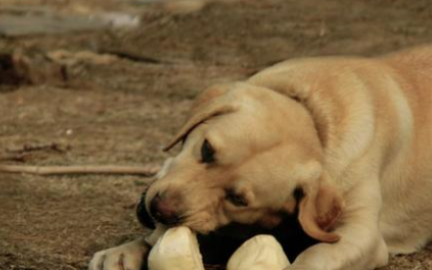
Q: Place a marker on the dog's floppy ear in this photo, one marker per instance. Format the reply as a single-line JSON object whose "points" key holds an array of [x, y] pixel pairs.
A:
{"points": [[209, 104], [320, 209]]}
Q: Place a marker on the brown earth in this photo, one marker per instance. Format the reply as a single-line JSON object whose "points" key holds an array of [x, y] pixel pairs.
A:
{"points": [[120, 103]]}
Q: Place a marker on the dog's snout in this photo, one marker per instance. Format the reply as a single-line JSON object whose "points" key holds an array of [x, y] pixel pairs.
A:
{"points": [[163, 211]]}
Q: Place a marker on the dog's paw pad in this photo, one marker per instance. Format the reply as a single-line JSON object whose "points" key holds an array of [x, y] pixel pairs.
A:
{"points": [[125, 257]]}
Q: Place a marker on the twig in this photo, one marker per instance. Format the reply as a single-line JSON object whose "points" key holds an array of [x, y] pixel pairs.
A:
{"points": [[55, 170], [39, 147], [138, 58]]}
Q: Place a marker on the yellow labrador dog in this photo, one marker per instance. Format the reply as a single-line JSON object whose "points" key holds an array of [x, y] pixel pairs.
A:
{"points": [[347, 141]]}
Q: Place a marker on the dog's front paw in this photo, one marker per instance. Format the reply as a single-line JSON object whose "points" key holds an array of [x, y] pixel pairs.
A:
{"points": [[129, 256]]}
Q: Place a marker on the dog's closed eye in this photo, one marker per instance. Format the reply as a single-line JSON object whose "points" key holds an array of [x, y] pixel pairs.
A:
{"points": [[207, 153], [236, 199]]}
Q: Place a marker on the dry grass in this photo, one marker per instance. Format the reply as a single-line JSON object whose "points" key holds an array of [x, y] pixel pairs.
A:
{"points": [[124, 112]]}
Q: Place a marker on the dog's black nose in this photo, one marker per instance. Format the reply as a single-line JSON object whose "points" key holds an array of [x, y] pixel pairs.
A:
{"points": [[163, 211], [142, 214]]}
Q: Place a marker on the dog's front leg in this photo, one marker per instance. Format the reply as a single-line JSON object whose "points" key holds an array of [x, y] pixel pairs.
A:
{"points": [[365, 251], [132, 255], [361, 246], [129, 256]]}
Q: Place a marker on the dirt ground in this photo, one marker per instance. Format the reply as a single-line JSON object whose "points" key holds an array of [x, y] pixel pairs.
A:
{"points": [[115, 96]]}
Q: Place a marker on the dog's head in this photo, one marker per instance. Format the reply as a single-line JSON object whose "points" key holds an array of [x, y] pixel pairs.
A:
{"points": [[249, 155]]}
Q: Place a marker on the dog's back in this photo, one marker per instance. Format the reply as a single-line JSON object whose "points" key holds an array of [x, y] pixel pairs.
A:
{"points": [[407, 209], [383, 105]]}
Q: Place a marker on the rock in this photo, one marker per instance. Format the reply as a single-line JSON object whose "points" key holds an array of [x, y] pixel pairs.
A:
{"points": [[18, 21], [17, 68]]}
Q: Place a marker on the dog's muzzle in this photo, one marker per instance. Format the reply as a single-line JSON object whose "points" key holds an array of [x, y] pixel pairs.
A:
{"points": [[163, 211]]}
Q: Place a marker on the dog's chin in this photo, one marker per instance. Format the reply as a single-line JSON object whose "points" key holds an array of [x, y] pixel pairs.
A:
{"points": [[200, 230], [200, 227]]}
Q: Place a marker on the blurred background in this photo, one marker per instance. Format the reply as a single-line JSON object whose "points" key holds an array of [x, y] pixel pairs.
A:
{"points": [[109, 82]]}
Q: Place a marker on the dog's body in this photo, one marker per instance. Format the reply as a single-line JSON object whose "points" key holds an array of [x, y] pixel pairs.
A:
{"points": [[345, 141]]}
